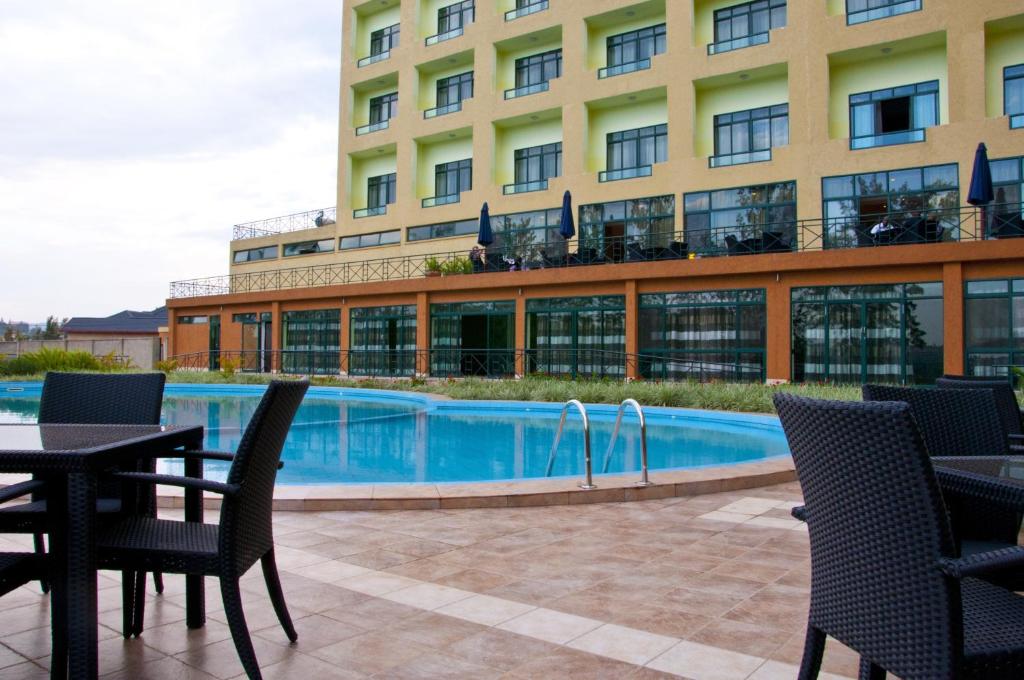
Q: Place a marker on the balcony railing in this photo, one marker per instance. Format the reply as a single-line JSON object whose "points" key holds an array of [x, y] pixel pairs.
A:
{"points": [[526, 10], [738, 43], [887, 139], [891, 9], [372, 127], [373, 58], [727, 160], [435, 201], [525, 90], [625, 173], [525, 187], [280, 225], [441, 37], [968, 223], [1017, 121], [443, 110], [620, 69], [370, 212]]}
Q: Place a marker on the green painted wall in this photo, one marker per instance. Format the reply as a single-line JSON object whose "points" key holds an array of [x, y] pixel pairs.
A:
{"points": [[1001, 50], [428, 15], [367, 24], [881, 73], [507, 140], [428, 85], [364, 168], [429, 155], [704, 19], [835, 7], [626, 117], [739, 97], [506, 74], [597, 37], [361, 103]]}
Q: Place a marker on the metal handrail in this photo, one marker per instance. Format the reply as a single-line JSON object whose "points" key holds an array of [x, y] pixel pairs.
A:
{"points": [[644, 479], [588, 483]]}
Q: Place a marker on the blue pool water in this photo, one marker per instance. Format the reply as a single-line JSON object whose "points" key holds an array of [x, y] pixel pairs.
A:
{"points": [[367, 436]]}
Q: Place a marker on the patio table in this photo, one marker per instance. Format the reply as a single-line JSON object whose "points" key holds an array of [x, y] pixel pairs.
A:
{"points": [[998, 478], [69, 458]]}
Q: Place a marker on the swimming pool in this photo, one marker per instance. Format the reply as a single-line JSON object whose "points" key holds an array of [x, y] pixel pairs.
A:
{"points": [[343, 436]]}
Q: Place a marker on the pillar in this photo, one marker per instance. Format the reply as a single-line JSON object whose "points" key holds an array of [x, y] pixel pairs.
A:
{"points": [[422, 334], [953, 318], [778, 340], [520, 344], [275, 336], [632, 331]]}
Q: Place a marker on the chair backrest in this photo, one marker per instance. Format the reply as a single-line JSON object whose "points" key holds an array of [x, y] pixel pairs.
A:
{"points": [[1006, 399], [101, 398], [952, 422], [877, 528], [245, 520]]}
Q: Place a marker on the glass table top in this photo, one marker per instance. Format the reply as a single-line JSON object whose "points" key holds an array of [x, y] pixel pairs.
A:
{"points": [[69, 437]]}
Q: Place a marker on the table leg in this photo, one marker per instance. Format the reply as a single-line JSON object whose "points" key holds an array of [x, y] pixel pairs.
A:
{"points": [[80, 581], [195, 586], [57, 508]]}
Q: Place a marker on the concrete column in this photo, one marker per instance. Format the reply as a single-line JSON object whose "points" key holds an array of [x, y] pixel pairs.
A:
{"points": [[778, 343], [172, 330], [632, 330], [953, 318], [422, 334]]}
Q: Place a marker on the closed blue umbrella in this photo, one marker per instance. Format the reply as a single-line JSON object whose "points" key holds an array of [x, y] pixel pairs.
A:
{"points": [[981, 192], [568, 227], [486, 236]]}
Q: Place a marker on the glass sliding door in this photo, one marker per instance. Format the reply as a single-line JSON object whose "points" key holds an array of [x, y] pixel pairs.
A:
{"points": [[473, 338], [883, 335], [845, 348], [577, 336]]}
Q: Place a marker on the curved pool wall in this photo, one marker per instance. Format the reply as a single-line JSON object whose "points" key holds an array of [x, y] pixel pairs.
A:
{"points": [[353, 437]]}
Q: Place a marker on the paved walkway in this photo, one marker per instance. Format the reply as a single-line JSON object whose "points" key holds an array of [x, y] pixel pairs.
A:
{"points": [[709, 588]]}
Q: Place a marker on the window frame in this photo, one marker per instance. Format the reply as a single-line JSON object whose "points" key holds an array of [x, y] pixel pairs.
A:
{"points": [[248, 252], [446, 16], [389, 182], [389, 35], [747, 10], [545, 153], [453, 84], [875, 98], [379, 105], [620, 140], [616, 45], [462, 170], [749, 119], [524, 65]]}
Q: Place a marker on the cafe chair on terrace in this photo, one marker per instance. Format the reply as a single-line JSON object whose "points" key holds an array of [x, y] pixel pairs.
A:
{"points": [[885, 579], [87, 399], [1006, 401], [228, 549]]}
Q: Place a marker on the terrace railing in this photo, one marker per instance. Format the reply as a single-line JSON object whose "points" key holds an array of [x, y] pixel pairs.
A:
{"points": [[279, 225], [526, 10], [515, 253]]}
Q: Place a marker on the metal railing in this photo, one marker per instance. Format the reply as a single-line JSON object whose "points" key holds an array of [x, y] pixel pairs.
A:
{"points": [[622, 69], [588, 482], [454, 107], [373, 127], [441, 37], [524, 187], [279, 225], [435, 201], [525, 90], [739, 43], [728, 160], [642, 421], [892, 8], [887, 139], [373, 58], [526, 10], [625, 173], [370, 212]]}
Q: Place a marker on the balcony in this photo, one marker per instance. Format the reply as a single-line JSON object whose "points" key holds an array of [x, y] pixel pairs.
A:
{"points": [[621, 69], [524, 187], [1017, 121], [858, 13], [441, 37], [370, 212], [373, 59], [625, 173], [738, 43], [526, 90], [435, 201], [372, 127], [280, 225], [887, 139], [526, 10], [443, 110], [728, 160]]}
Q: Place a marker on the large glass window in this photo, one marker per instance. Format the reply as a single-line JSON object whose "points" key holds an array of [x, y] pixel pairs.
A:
{"points": [[716, 334], [455, 16], [1007, 211], [538, 68], [383, 108], [859, 11], [255, 254], [637, 229], [309, 247], [634, 46], [641, 147], [538, 163], [380, 190], [1013, 95], [311, 342], [577, 336], [380, 238], [897, 115], [747, 24], [860, 334], [382, 340], [473, 338], [384, 40], [425, 232], [744, 220], [994, 326], [749, 136], [454, 89], [451, 179], [531, 238], [913, 205]]}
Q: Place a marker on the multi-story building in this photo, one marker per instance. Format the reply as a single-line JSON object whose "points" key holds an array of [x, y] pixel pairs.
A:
{"points": [[760, 190]]}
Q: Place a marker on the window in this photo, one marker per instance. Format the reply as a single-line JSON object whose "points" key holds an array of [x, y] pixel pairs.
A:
{"points": [[454, 89], [380, 190], [255, 254], [859, 11], [747, 24], [383, 108], [636, 46], [610, 231], [311, 342], [577, 336], [309, 247], [528, 237], [383, 238], [1007, 211], [744, 220], [454, 17], [749, 136], [193, 320], [714, 334], [539, 68], [525, 7], [636, 148], [895, 116], [442, 230], [860, 334], [382, 340], [853, 204], [384, 40], [473, 338], [994, 326], [1013, 95], [451, 179], [538, 163]]}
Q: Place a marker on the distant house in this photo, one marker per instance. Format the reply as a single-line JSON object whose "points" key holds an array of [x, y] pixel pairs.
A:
{"points": [[123, 324]]}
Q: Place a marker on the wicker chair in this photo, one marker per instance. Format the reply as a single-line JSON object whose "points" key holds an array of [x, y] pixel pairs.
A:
{"points": [[244, 534], [88, 399], [884, 579], [1006, 402]]}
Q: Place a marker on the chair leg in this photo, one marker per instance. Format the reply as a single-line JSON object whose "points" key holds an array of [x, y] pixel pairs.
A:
{"points": [[158, 582], [140, 603], [814, 649], [127, 603], [869, 671], [232, 595], [40, 548], [270, 575]]}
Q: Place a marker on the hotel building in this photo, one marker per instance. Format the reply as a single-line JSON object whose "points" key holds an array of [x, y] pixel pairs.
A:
{"points": [[763, 190]]}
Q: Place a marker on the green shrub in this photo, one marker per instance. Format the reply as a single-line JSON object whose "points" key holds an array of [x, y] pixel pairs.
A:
{"points": [[458, 265], [110, 362], [47, 359], [167, 365]]}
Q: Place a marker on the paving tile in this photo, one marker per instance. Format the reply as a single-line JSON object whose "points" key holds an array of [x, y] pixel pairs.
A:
{"points": [[167, 668], [371, 653], [694, 660], [24, 671], [331, 571], [427, 596], [549, 625], [314, 632], [298, 666], [775, 670], [221, 660], [435, 630], [436, 665], [376, 583], [500, 649], [625, 644], [484, 609], [571, 664]]}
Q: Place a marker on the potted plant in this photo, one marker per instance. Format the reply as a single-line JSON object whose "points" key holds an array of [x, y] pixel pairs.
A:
{"points": [[433, 266], [457, 265]]}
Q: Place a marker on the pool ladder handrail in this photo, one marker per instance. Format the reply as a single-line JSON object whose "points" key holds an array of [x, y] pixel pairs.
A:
{"points": [[644, 479], [588, 483]]}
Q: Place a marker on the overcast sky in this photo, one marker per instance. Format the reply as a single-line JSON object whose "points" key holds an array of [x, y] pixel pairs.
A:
{"points": [[135, 133]]}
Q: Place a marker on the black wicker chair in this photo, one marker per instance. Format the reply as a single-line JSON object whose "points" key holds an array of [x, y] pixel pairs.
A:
{"points": [[884, 579], [88, 399], [244, 534], [1006, 401]]}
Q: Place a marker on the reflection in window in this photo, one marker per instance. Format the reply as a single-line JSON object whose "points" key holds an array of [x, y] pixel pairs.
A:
{"points": [[747, 24], [635, 46], [897, 115], [994, 326], [382, 238], [383, 108], [443, 230], [311, 342], [577, 336], [1007, 211], [382, 340], [309, 247], [610, 231], [859, 11], [384, 40], [380, 190], [749, 136], [753, 219], [255, 254], [1013, 95]]}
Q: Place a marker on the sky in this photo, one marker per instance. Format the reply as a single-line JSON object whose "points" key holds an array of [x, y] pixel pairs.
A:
{"points": [[134, 134]]}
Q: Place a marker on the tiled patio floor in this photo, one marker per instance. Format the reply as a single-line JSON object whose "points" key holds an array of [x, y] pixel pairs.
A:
{"points": [[708, 588]]}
